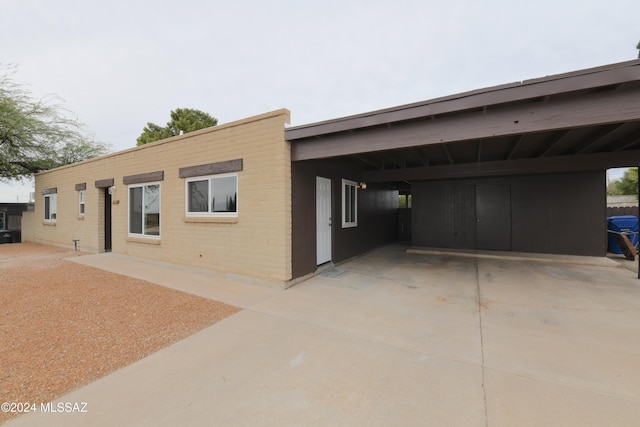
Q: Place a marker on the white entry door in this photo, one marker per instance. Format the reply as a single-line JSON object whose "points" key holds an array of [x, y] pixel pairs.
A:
{"points": [[323, 219]]}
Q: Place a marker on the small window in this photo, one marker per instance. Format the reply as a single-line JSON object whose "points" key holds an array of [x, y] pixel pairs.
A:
{"points": [[3, 221], [144, 210], [349, 204], [50, 207], [212, 195], [81, 202]]}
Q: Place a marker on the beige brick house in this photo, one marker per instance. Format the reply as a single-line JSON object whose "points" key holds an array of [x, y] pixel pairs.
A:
{"points": [[491, 169], [216, 198]]}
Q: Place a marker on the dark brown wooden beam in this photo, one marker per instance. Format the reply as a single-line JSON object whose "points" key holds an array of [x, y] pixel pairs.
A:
{"points": [[598, 136], [211, 168], [104, 183], [446, 151], [574, 163], [143, 177], [370, 161], [394, 159], [627, 143], [418, 154], [555, 139], [514, 145], [584, 109]]}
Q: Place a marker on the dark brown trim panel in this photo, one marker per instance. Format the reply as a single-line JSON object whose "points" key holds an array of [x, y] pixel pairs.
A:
{"points": [[143, 177], [53, 190], [104, 183], [81, 187], [211, 168]]}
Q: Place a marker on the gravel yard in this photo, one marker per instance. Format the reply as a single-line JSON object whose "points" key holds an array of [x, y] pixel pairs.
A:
{"points": [[63, 325]]}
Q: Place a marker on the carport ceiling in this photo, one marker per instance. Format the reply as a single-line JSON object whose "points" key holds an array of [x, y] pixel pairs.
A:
{"points": [[584, 120]]}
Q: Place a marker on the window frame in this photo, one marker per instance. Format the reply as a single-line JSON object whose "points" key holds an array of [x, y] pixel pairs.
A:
{"points": [[349, 221], [53, 216], [209, 213], [81, 202], [129, 206], [3, 220]]}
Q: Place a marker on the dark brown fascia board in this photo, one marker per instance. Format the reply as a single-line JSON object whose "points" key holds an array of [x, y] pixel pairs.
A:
{"points": [[585, 109], [576, 163], [513, 92]]}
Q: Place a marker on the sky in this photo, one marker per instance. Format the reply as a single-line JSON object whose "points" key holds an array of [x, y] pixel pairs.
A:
{"points": [[120, 64]]}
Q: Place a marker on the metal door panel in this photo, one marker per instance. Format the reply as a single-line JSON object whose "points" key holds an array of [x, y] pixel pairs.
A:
{"points": [[323, 220]]}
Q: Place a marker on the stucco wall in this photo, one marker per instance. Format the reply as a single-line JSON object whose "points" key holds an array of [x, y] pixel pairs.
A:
{"points": [[377, 214], [258, 243]]}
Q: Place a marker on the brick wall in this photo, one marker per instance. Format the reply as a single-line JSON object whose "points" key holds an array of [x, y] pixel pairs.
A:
{"points": [[257, 243]]}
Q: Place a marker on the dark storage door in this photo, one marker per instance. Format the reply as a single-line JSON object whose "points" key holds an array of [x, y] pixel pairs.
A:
{"points": [[493, 217], [107, 220]]}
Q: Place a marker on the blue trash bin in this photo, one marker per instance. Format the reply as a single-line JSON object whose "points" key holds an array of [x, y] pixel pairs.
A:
{"points": [[622, 224]]}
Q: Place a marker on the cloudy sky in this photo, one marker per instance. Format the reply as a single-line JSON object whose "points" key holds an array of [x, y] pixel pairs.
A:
{"points": [[121, 64]]}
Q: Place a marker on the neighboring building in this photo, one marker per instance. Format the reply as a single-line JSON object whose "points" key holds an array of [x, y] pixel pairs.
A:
{"points": [[11, 219], [516, 167]]}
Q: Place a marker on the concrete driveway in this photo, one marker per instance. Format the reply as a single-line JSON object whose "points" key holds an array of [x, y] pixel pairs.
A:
{"points": [[389, 338]]}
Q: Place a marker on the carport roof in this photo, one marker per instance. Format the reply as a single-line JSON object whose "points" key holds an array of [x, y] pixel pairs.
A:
{"points": [[582, 120]]}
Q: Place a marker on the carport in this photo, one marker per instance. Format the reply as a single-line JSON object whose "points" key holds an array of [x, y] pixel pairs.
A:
{"points": [[517, 167]]}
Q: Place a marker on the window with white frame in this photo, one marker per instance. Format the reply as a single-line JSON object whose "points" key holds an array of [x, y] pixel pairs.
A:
{"points": [[81, 202], [144, 210], [215, 195], [50, 207], [349, 204]]}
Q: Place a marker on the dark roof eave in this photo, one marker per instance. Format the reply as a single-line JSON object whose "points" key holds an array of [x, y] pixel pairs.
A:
{"points": [[513, 92]]}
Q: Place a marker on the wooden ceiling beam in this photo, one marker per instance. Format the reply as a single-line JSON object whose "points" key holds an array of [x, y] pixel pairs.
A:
{"points": [[598, 136], [446, 151], [553, 142], [514, 145], [576, 163]]}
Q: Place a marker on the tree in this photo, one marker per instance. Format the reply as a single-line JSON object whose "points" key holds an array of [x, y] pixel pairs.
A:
{"points": [[37, 135], [627, 185], [183, 120]]}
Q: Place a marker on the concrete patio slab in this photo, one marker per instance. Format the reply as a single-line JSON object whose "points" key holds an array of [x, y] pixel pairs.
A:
{"points": [[516, 400], [433, 319], [240, 291], [258, 369], [389, 338]]}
